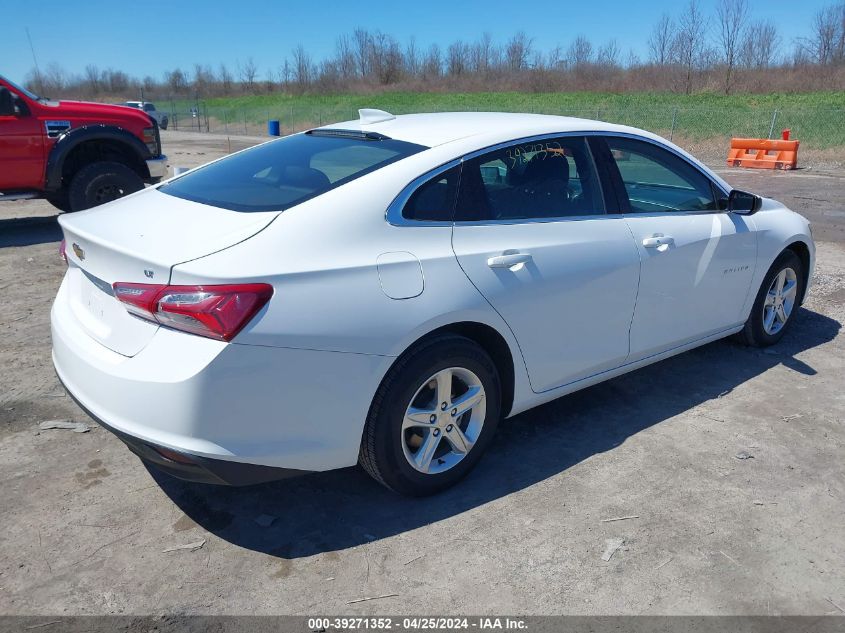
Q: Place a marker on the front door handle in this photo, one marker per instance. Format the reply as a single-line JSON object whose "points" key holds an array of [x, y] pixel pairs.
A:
{"points": [[656, 241], [508, 261]]}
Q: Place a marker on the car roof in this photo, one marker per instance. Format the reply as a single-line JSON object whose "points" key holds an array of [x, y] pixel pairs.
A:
{"points": [[459, 133], [437, 128]]}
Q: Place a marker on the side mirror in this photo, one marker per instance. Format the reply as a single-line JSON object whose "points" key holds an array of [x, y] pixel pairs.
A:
{"points": [[743, 203], [7, 102]]}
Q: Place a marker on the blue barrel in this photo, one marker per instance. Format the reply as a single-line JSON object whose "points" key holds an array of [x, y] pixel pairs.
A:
{"points": [[273, 128]]}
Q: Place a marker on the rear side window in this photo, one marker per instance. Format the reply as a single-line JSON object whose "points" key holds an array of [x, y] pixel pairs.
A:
{"points": [[656, 180], [280, 174], [545, 179], [434, 201]]}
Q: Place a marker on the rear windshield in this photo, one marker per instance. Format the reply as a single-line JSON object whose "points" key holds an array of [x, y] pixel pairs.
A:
{"points": [[280, 174]]}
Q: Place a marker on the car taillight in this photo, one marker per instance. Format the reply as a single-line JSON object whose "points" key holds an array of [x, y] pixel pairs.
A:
{"points": [[63, 250], [138, 299], [214, 311]]}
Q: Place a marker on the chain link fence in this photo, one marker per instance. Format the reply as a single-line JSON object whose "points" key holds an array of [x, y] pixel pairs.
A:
{"points": [[705, 132]]}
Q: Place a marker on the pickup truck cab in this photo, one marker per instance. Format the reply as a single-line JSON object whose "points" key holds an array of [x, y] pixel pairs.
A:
{"points": [[73, 153]]}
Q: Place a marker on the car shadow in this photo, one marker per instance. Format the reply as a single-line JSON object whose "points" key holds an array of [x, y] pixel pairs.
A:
{"points": [[29, 231], [336, 510]]}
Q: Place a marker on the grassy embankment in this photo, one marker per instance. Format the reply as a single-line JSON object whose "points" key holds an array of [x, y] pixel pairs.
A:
{"points": [[817, 118]]}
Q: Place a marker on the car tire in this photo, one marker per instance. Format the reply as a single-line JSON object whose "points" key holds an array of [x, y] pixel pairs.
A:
{"points": [[164, 123], [98, 183], [390, 448], [59, 199], [766, 325]]}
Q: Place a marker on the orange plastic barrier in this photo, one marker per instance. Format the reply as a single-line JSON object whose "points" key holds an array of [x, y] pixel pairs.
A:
{"points": [[760, 153]]}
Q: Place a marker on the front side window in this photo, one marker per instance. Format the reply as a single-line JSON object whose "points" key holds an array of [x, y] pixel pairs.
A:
{"points": [[21, 90], [283, 173], [657, 180], [149, 107], [544, 179]]}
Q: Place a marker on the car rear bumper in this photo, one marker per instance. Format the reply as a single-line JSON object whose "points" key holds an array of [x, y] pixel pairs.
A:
{"points": [[248, 406], [193, 467], [157, 168]]}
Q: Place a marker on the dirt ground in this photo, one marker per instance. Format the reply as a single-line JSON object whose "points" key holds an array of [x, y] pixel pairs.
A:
{"points": [[85, 527]]}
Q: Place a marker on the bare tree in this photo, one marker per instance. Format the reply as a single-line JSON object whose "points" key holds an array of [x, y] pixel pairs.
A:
{"points": [[826, 46], [116, 81], [608, 55], [432, 66], [285, 74], [363, 43], [732, 16], [660, 41], [345, 57], [247, 73], [518, 52], [92, 78], [53, 79], [176, 81], [225, 79], [839, 40], [555, 58], [412, 62], [385, 58], [203, 78], [302, 67], [579, 53], [760, 45], [689, 42], [482, 54], [457, 56]]}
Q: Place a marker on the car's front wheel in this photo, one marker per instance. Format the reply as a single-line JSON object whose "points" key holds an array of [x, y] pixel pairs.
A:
{"points": [[432, 417], [777, 301]]}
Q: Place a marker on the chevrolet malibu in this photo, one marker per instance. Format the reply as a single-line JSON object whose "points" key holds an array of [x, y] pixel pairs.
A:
{"points": [[383, 291]]}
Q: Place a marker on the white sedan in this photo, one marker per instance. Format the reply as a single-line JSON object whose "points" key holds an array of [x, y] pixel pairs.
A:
{"points": [[383, 291]]}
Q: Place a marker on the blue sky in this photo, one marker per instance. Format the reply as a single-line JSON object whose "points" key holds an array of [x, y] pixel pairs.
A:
{"points": [[150, 37]]}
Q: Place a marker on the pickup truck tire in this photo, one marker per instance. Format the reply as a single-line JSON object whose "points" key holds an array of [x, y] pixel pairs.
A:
{"points": [[98, 183], [59, 200]]}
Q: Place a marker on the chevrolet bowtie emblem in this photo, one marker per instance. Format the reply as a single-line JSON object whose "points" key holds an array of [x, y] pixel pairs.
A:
{"points": [[78, 251]]}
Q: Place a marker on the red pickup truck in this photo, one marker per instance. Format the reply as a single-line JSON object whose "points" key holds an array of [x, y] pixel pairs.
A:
{"points": [[73, 153]]}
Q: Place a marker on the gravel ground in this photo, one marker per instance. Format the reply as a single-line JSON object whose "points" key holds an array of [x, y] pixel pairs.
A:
{"points": [[84, 526]]}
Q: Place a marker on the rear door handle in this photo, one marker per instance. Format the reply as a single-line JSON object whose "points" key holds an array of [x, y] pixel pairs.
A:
{"points": [[656, 241], [508, 261]]}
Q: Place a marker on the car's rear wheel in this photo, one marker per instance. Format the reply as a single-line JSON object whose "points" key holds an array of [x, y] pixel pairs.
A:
{"points": [[432, 417], [777, 301], [98, 183]]}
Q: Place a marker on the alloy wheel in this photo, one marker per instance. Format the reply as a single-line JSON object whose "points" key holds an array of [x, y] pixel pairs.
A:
{"points": [[444, 420], [780, 301]]}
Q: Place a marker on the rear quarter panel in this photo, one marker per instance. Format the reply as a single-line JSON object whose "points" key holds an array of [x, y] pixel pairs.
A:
{"points": [[322, 257]]}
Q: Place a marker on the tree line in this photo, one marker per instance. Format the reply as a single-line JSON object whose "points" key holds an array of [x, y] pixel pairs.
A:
{"points": [[723, 50]]}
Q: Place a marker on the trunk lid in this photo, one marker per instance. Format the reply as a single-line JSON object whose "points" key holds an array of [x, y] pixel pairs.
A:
{"points": [[139, 239]]}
